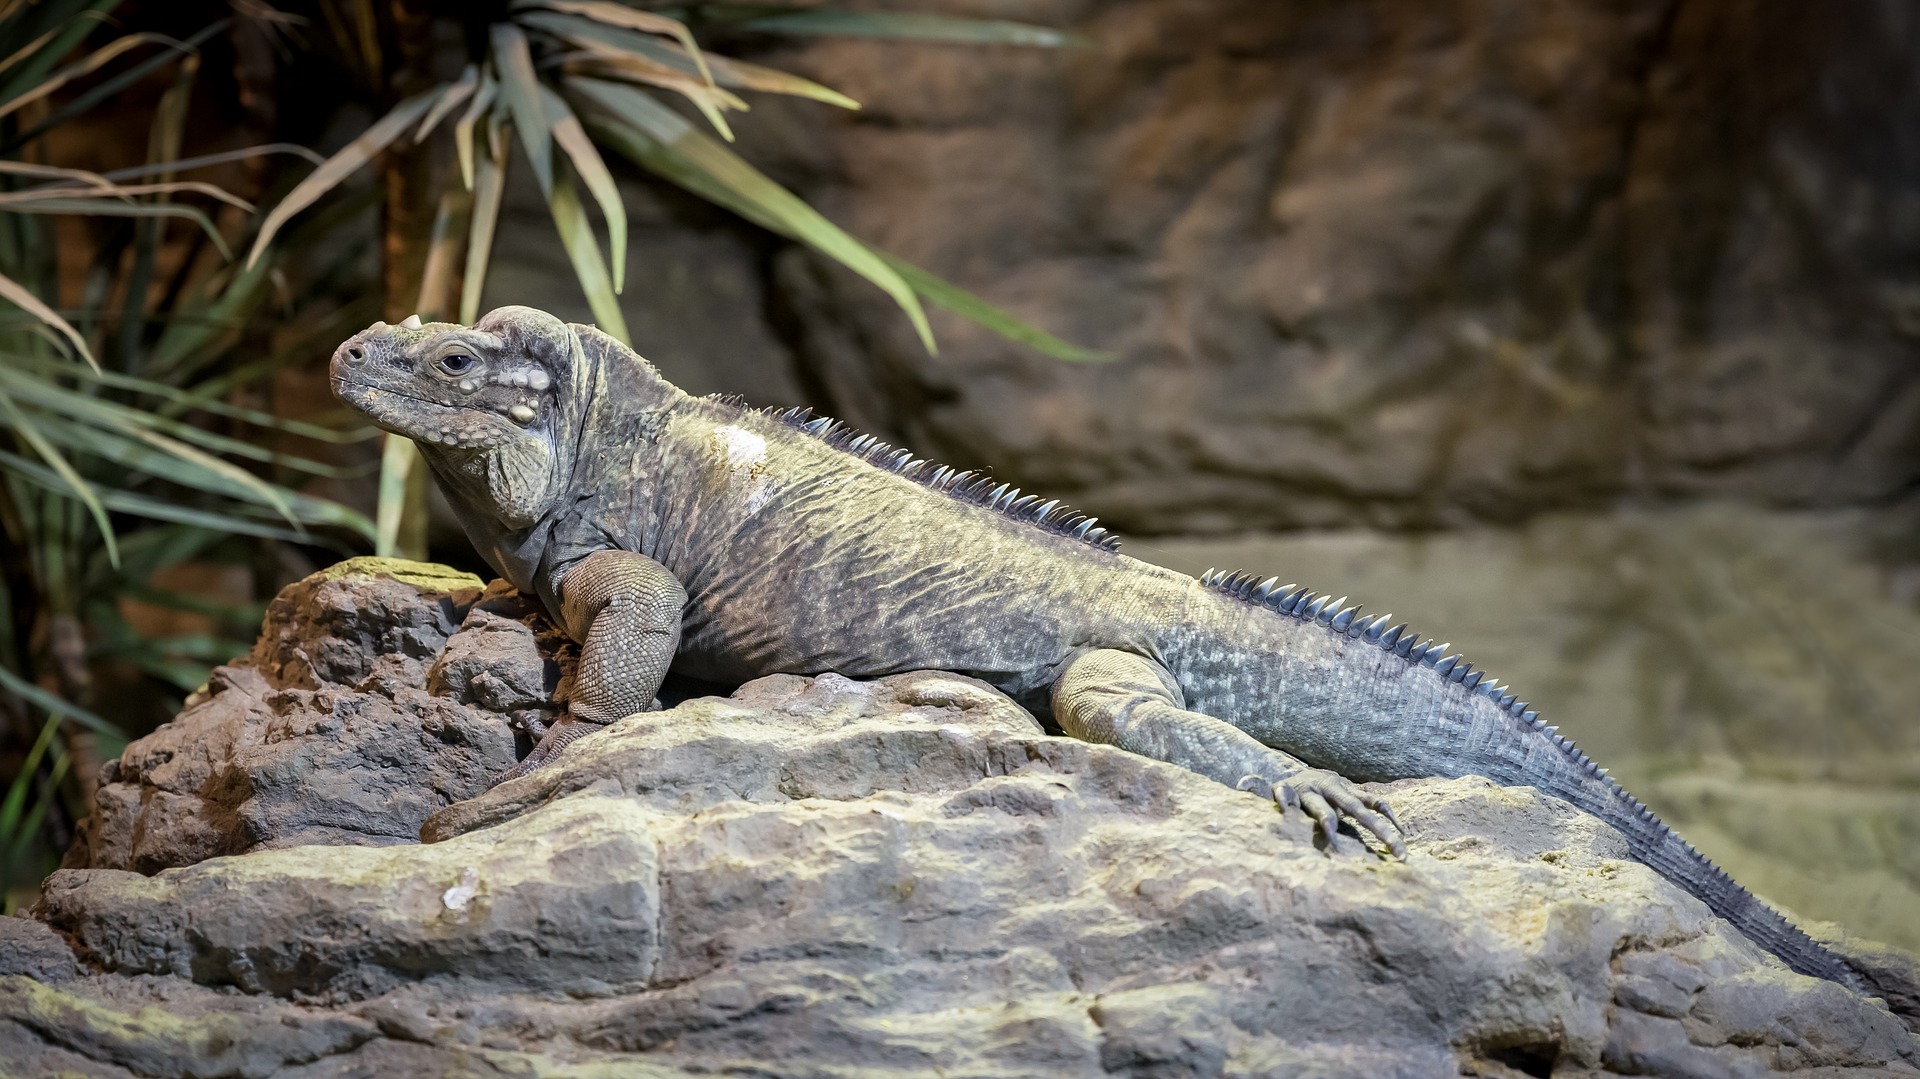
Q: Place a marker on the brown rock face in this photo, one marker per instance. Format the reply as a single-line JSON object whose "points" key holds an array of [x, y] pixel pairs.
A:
{"points": [[374, 696], [1407, 265]]}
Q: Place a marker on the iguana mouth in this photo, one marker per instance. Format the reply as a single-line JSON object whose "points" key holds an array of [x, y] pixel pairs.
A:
{"points": [[368, 389], [418, 422]]}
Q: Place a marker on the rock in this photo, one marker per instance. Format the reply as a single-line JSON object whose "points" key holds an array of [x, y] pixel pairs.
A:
{"points": [[563, 904], [819, 876], [121, 1027], [363, 708], [30, 948]]}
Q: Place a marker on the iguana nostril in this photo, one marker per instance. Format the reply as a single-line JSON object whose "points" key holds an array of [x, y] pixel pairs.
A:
{"points": [[356, 354]]}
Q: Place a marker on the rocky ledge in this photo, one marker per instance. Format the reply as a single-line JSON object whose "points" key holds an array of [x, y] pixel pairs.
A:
{"points": [[817, 876]]}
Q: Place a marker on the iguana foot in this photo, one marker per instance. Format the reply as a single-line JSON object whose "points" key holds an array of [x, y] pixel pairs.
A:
{"points": [[531, 720], [1324, 796], [557, 737]]}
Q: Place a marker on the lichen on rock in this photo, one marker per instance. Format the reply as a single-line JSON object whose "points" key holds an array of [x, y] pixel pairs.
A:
{"points": [[822, 876]]}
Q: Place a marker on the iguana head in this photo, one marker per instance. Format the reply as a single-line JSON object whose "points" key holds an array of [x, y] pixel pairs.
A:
{"points": [[494, 407]]}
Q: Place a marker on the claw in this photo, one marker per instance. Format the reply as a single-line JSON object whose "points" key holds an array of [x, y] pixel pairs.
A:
{"points": [[1326, 820], [1387, 812], [530, 720], [1396, 838], [1388, 834], [1286, 795]]}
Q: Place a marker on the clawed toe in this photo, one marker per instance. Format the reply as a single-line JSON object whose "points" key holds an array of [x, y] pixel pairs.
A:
{"points": [[557, 737], [1387, 812], [1326, 820], [1326, 798]]}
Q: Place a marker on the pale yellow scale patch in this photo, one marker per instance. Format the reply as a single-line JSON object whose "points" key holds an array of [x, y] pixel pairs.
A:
{"points": [[744, 455]]}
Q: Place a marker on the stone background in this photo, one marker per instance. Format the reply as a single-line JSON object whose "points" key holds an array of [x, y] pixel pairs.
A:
{"points": [[1397, 265]]}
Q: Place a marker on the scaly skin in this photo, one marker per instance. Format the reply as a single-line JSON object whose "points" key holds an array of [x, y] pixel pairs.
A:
{"points": [[734, 543]]}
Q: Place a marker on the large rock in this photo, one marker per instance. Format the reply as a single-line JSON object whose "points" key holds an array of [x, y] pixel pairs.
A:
{"points": [[818, 876], [1400, 264], [373, 697]]}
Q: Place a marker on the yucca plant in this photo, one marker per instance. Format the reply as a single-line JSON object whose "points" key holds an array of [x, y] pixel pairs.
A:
{"points": [[121, 454], [568, 81]]}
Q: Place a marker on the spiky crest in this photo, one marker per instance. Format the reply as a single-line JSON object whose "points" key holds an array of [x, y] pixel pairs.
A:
{"points": [[969, 487]]}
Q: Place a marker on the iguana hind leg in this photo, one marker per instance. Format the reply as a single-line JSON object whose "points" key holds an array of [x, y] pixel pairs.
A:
{"points": [[624, 609], [1127, 700]]}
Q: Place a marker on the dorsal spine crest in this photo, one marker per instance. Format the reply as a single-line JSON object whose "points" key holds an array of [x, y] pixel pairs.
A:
{"points": [[970, 487]]}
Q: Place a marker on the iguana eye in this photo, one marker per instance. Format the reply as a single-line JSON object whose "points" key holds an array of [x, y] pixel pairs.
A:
{"points": [[456, 363]]}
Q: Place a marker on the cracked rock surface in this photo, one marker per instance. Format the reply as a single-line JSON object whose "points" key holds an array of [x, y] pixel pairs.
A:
{"points": [[823, 877], [373, 697]]}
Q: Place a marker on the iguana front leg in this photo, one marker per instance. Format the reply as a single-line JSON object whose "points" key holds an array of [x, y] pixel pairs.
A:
{"points": [[1127, 700], [624, 609]]}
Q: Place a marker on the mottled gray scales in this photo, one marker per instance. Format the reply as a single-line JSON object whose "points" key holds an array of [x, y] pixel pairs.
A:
{"points": [[777, 542]]}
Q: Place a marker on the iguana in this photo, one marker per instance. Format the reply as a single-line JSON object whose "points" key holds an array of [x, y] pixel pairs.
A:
{"points": [[663, 528]]}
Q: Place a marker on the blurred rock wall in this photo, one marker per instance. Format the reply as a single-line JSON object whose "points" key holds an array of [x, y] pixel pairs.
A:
{"points": [[1401, 265]]}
